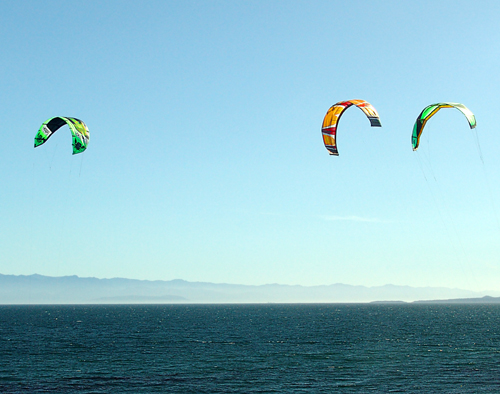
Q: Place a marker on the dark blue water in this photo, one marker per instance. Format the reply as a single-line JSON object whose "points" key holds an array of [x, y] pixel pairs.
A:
{"points": [[250, 349]]}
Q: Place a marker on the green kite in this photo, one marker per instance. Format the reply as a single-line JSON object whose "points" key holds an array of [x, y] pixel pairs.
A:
{"points": [[79, 131]]}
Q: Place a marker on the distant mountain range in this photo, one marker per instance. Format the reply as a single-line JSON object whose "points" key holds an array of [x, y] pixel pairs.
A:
{"points": [[38, 289]]}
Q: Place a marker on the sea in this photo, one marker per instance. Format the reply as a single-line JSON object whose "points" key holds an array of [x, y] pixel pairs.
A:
{"points": [[258, 348]]}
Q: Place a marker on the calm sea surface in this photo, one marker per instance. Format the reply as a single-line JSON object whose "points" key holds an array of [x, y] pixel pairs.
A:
{"points": [[329, 348]]}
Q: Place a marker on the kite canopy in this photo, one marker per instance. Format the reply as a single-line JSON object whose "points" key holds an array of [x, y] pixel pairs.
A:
{"points": [[79, 131], [332, 117], [430, 111]]}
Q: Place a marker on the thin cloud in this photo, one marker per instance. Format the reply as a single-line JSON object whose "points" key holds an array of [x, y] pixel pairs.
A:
{"points": [[353, 219]]}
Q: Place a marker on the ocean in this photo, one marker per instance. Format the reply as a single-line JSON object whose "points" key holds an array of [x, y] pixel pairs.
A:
{"points": [[264, 348]]}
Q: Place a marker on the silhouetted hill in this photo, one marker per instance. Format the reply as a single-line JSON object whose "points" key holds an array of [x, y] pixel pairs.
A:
{"points": [[482, 300], [38, 289]]}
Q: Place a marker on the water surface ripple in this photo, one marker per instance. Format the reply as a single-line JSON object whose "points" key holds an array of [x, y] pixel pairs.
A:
{"points": [[272, 348]]}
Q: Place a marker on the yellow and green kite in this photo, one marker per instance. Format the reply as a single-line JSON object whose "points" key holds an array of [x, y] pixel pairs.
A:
{"points": [[429, 111]]}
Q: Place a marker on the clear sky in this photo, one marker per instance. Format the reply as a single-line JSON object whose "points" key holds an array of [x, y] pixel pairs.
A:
{"points": [[206, 161]]}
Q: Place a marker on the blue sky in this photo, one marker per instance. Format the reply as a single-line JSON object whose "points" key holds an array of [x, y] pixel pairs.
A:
{"points": [[206, 161]]}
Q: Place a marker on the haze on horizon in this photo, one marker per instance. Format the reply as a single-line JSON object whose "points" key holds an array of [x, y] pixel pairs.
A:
{"points": [[206, 162]]}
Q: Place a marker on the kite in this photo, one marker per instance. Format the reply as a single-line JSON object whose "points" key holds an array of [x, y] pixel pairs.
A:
{"points": [[430, 111], [79, 131], [332, 117]]}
